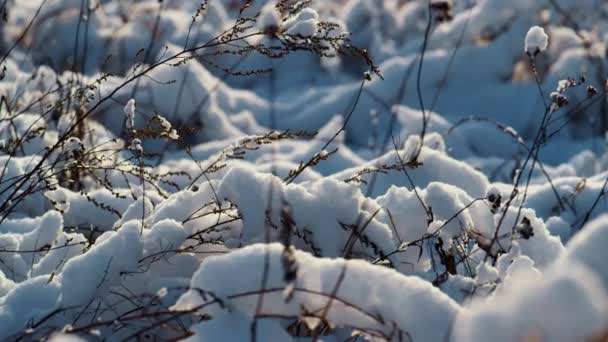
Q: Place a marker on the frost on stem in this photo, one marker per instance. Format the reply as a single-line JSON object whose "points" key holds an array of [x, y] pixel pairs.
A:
{"points": [[559, 99], [536, 41], [130, 113], [167, 128], [136, 146], [164, 123], [73, 145]]}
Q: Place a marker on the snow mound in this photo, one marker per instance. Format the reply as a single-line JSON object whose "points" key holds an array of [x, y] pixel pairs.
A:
{"points": [[316, 279]]}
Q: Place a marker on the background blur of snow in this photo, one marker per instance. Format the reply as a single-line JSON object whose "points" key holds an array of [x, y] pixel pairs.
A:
{"points": [[188, 253]]}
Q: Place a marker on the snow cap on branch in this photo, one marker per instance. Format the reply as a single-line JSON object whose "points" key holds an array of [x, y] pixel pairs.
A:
{"points": [[130, 113], [536, 41], [303, 24]]}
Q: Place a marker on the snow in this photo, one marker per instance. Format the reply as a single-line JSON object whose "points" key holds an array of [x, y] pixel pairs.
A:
{"points": [[584, 247], [303, 24], [136, 146], [206, 171], [237, 327], [66, 338], [536, 41], [73, 144], [130, 113], [325, 235], [113, 254], [31, 300], [320, 276], [269, 18], [562, 306]]}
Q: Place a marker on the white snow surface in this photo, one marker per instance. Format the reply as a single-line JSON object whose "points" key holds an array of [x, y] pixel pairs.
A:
{"points": [[155, 195]]}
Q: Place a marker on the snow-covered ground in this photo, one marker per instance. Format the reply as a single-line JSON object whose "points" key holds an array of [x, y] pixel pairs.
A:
{"points": [[275, 170]]}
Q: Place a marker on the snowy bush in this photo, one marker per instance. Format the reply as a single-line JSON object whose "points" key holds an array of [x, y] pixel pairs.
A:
{"points": [[278, 170]]}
